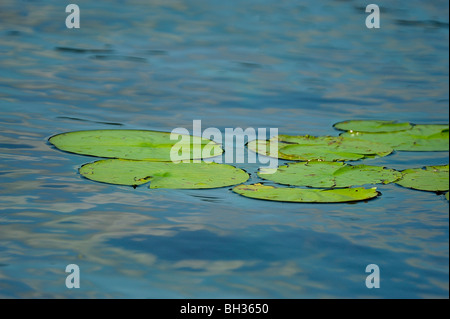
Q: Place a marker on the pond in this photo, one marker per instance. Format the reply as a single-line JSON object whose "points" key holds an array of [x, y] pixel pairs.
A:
{"points": [[296, 66]]}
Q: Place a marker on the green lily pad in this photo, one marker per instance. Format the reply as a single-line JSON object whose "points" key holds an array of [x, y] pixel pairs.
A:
{"points": [[324, 148], [447, 195], [299, 195], [330, 174], [427, 137], [372, 126], [163, 174], [429, 178], [135, 144]]}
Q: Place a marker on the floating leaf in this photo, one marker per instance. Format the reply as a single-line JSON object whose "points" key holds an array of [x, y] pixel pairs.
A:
{"points": [[265, 147], [324, 148], [427, 137], [299, 195], [330, 174], [135, 144], [372, 126], [447, 195], [163, 174], [429, 178]]}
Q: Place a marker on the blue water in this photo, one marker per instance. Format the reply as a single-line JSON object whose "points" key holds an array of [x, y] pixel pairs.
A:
{"points": [[296, 66]]}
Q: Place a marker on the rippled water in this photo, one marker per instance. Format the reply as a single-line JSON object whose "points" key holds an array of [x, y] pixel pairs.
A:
{"points": [[296, 66]]}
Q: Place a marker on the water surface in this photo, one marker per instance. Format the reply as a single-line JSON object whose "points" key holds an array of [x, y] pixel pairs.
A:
{"points": [[158, 65]]}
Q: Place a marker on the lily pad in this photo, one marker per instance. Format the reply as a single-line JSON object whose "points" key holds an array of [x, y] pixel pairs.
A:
{"points": [[429, 178], [163, 174], [324, 148], [299, 195], [447, 195], [135, 144], [372, 126], [426, 137], [330, 174]]}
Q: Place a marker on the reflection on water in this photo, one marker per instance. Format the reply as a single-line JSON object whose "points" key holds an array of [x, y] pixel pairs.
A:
{"points": [[297, 67]]}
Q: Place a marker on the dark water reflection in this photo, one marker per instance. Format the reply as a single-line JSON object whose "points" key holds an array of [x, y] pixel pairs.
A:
{"points": [[263, 64]]}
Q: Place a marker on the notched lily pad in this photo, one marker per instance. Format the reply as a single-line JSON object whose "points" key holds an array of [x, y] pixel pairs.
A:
{"points": [[372, 126], [330, 174], [323, 148], [429, 178], [164, 174], [135, 144], [423, 137], [299, 195]]}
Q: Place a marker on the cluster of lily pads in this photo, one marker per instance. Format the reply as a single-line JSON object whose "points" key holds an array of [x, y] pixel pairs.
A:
{"points": [[318, 174]]}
